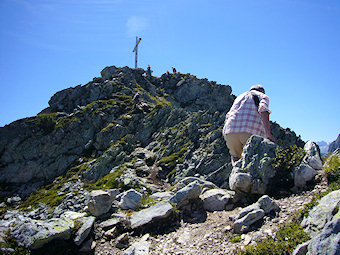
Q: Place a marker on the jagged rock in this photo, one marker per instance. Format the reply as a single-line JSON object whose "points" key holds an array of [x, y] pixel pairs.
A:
{"points": [[139, 248], [322, 213], [252, 173], [204, 184], [100, 202], [84, 230], [116, 218], [313, 157], [34, 234], [301, 249], [144, 154], [328, 241], [253, 213], [334, 145], [216, 199], [191, 191], [302, 174], [72, 215], [161, 210], [130, 199], [162, 195]]}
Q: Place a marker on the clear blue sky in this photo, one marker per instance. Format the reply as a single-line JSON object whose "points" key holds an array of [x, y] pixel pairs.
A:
{"points": [[291, 47]]}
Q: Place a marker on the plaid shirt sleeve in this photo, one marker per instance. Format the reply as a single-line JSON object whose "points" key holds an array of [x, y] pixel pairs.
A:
{"points": [[244, 116]]}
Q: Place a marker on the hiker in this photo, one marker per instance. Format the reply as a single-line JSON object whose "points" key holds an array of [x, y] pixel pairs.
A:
{"points": [[174, 69], [149, 72], [249, 115]]}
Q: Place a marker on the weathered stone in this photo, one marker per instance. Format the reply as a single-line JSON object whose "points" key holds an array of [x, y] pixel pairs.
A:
{"points": [[253, 213], [162, 195], [322, 213], [139, 248], [191, 191], [100, 202], [34, 234], [84, 230], [162, 210], [327, 241], [301, 249], [215, 199], [252, 173], [313, 157], [72, 215], [130, 199], [242, 225], [110, 223], [302, 174]]}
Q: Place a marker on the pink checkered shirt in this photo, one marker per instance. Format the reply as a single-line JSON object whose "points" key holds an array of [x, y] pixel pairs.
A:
{"points": [[244, 116]]}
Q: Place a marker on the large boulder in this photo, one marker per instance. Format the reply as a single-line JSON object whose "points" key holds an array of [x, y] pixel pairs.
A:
{"points": [[100, 202], [216, 199], [84, 230], [302, 174], [322, 213], [253, 213], [252, 173], [328, 241], [191, 191], [33, 234], [313, 157], [130, 199], [161, 210]]}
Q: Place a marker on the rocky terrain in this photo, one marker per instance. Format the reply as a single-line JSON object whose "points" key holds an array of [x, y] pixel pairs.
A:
{"points": [[102, 171]]}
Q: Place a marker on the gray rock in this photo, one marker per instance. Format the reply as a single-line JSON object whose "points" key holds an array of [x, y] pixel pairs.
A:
{"points": [[110, 223], [84, 230], [100, 202], [130, 199], [162, 210], [301, 249], [34, 234], [302, 174], [313, 157], [72, 215], [322, 213], [215, 199], [162, 195], [204, 184], [191, 191], [328, 241], [253, 213], [252, 173], [139, 248]]}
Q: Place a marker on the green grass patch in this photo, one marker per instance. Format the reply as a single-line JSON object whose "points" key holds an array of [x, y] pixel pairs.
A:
{"points": [[170, 162], [235, 239], [46, 122], [286, 239], [331, 170]]}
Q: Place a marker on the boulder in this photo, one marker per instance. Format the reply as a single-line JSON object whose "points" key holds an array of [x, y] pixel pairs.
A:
{"points": [[252, 173], [216, 199], [191, 191], [302, 174], [322, 213], [100, 202], [327, 241], [253, 213], [161, 210], [313, 157], [130, 199], [84, 230], [33, 234]]}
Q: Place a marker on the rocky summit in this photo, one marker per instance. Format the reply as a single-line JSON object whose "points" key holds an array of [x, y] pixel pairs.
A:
{"points": [[113, 165]]}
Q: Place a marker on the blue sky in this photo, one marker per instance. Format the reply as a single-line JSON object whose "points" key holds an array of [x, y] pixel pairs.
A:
{"points": [[291, 47]]}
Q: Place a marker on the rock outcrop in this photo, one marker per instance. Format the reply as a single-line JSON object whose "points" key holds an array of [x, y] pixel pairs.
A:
{"points": [[127, 165]]}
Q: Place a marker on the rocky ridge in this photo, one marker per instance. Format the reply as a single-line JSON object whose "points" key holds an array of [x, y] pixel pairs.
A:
{"points": [[116, 169]]}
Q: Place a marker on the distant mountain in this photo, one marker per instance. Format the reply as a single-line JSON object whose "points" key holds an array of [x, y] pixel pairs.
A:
{"points": [[323, 147], [334, 145]]}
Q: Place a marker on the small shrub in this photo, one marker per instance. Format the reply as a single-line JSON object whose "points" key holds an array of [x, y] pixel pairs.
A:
{"points": [[331, 170], [46, 122], [286, 159], [235, 239], [286, 239]]}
